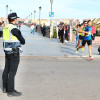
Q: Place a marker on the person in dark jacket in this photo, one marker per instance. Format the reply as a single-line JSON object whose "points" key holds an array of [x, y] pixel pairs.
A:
{"points": [[13, 39], [44, 30], [61, 30], [67, 30]]}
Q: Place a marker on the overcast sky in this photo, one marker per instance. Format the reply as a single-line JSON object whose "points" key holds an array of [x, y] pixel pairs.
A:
{"points": [[62, 8]]}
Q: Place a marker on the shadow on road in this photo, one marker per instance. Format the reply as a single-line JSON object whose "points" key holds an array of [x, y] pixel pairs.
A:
{"points": [[1, 71]]}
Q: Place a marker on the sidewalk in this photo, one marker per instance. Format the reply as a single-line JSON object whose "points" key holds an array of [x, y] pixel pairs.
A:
{"points": [[37, 45]]}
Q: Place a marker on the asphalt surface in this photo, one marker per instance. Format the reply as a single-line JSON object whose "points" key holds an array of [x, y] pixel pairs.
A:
{"points": [[56, 79]]}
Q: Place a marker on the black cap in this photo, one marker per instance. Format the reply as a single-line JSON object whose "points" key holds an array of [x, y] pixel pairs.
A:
{"points": [[12, 16]]}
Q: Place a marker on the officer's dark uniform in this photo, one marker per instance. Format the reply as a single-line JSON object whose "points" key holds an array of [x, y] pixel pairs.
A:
{"points": [[12, 57]]}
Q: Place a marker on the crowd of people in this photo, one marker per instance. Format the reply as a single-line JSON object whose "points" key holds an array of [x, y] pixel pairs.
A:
{"points": [[85, 35], [33, 28], [63, 32]]}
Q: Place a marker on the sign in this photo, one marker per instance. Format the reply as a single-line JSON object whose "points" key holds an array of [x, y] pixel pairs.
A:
{"points": [[51, 14]]}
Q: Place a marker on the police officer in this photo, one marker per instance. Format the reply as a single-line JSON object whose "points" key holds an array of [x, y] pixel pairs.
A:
{"points": [[12, 40]]}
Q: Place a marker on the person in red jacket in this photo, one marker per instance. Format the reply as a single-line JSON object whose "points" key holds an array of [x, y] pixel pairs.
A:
{"points": [[67, 29], [93, 32], [19, 25]]}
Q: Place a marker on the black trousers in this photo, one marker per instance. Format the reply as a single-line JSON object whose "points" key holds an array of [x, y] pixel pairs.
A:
{"points": [[11, 66], [1, 33], [62, 37], [66, 35]]}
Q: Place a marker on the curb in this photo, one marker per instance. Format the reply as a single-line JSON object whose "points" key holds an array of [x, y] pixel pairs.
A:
{"points": [[58, 57]]}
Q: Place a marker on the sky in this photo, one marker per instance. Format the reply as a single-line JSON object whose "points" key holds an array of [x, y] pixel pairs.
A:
{"points": [[63, 9]]}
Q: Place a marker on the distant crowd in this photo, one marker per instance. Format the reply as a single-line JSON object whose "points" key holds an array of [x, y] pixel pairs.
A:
{"points": [[86, 32], [42, 28], [63, 32]]}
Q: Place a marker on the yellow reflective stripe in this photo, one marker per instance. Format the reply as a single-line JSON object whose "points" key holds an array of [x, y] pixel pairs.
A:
{"points": [[10, 34], [11, 41], [8, 49]]}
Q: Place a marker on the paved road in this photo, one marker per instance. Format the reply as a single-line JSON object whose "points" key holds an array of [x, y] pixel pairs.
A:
{"points": [[37, 45], [45, 78], [56, 79]]}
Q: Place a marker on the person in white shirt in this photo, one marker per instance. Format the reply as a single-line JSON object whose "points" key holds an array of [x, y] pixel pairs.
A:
{"points": [[32, 28]]}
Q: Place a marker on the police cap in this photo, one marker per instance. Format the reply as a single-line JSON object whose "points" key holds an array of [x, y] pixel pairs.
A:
{"points": [[12, 16]]}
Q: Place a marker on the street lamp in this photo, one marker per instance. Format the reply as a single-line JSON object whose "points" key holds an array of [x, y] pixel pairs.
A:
{"points": [[10, 11], [51, 26], [1, 19], [51, 1], [6, 13], [39, 14], [34, 15], [31, 17], [26, 20]]}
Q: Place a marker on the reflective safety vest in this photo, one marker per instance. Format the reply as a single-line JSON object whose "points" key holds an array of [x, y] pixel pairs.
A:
{"points": [[9, 40]]}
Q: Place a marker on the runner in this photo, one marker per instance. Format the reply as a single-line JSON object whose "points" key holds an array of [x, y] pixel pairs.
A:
{"points": [[87, 39], [77, 34], [81, 36]]}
